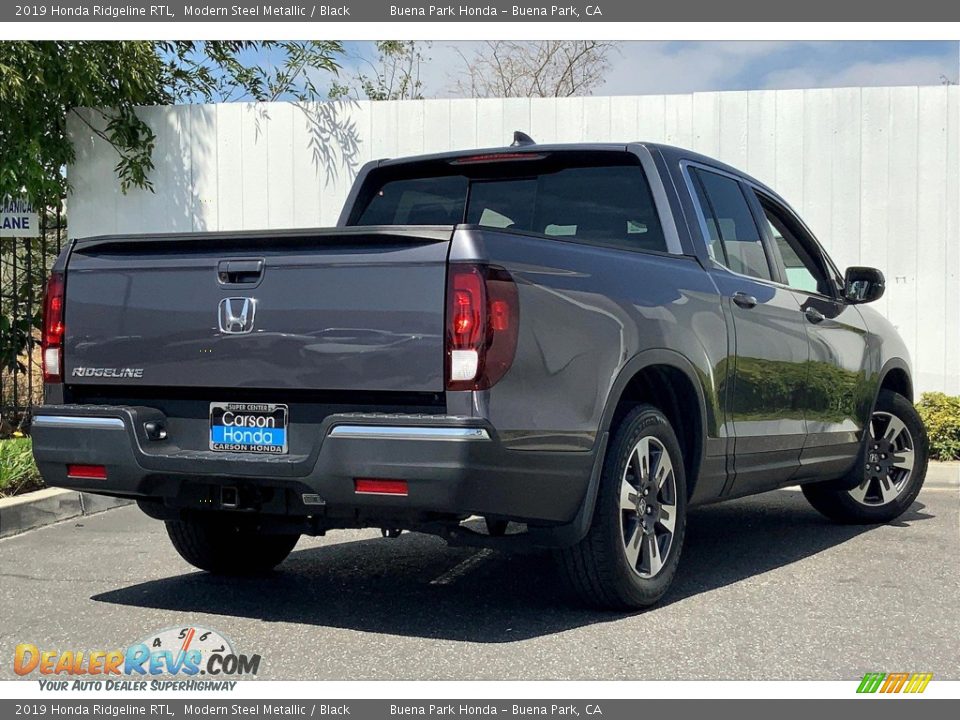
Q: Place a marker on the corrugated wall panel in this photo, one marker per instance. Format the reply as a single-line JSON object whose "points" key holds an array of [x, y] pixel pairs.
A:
{"points": [[951, 239], [932, 207], [844, 230], [231, 166], [875, 184], [761, 135], [204, 167], [874, 171], [901, 216]]}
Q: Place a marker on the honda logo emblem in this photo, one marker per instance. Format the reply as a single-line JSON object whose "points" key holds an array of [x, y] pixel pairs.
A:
{"points": [[235, 315]]}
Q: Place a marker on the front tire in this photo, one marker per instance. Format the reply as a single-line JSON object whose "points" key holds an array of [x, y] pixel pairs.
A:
{"points": [[222, 547], [629, 556], [889, 474]]}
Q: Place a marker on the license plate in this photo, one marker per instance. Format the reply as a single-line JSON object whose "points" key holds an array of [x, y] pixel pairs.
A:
{"points": [[248, 427]]}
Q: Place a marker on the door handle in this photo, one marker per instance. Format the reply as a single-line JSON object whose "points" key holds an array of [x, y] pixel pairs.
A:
{"points": [[239, 272], [813, 315], [744, 300]]}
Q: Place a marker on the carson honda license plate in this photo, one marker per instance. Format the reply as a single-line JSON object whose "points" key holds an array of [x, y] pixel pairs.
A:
{"points": [[248, 427]]}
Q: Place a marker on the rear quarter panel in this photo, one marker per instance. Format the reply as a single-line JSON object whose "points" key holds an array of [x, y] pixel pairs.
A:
{"points": [[585, 313]]}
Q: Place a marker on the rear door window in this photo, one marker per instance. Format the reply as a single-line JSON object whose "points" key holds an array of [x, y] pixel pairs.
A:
{"points": [[608, 205], [728, 218]]}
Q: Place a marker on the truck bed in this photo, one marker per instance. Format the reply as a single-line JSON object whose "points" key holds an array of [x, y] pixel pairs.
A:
{"points": [[358, 309]]}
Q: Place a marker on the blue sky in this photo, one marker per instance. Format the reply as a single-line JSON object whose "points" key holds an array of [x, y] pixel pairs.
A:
{"points": [[680, 67]]}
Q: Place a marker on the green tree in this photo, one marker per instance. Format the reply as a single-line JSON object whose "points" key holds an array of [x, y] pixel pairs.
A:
{"points": [[394, 75], [41, 83], [540, 68]]}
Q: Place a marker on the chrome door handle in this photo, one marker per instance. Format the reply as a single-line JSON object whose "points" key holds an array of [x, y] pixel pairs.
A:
{"points": [[744, 300]]}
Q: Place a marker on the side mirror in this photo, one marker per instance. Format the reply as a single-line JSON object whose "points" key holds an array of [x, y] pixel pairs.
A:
{"points": [[863, 285]]}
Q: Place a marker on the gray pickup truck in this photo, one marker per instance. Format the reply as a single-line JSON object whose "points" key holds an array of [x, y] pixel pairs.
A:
{"points": [[574, 343]]}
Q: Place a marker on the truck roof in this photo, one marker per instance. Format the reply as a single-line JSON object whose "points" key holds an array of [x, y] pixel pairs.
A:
{"points": [[670, 153]]}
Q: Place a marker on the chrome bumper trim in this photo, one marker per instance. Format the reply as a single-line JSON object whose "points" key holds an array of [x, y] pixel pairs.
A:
{"points": [[78, 421], [409, 432]]}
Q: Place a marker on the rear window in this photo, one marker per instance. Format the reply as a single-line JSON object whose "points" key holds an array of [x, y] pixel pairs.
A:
{"points": [[589, 201]]}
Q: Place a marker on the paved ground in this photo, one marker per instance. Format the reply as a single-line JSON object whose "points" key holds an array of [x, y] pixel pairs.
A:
{"points": [[766, 590]]}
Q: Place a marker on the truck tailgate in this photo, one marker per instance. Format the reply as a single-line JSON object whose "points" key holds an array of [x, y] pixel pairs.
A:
{"points": [[343, 309]]}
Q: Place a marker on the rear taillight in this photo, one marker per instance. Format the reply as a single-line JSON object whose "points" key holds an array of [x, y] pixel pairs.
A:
{"points": [[53, 329], [482, 320]]}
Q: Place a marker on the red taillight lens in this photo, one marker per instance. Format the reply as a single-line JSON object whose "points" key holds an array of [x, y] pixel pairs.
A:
{"points": [[53, 329], [499, 315], [482, 322], [469, 299], [87, 472]]}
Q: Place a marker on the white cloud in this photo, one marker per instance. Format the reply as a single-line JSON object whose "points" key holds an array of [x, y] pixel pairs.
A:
{"points": [[681, 67], [651, 68], [636, 67], [906, 71]]}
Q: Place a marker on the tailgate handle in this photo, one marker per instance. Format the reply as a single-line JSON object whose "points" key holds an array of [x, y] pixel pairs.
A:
{"points": [[239, 272]]}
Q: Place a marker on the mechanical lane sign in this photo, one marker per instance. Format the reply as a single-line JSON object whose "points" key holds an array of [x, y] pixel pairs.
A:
{"points": [[18, 219]]}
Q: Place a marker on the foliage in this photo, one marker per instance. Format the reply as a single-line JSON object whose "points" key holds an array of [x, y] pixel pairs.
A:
{"points": [[394, 76], [42, 82], [22, 300], [941, 416], [545, 68], [18, 473]]}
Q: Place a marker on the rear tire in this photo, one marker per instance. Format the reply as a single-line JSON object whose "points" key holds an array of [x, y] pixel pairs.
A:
{"points": [[889, 473], [222, 547], [629, 556]]}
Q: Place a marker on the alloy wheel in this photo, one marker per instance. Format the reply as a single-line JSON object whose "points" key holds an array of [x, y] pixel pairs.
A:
{"points": [[889, 460], [648, 507]]}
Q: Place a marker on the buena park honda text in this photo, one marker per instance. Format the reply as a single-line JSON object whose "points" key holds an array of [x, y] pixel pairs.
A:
{"points": [[574, 342]]}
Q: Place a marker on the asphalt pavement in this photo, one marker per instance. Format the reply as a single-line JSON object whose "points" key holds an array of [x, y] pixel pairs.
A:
{"points": [[767, 589]]}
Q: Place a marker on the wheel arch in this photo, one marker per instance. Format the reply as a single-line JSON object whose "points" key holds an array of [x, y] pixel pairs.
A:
{"points": [[640, 367], [667, 380], [895, 376]]}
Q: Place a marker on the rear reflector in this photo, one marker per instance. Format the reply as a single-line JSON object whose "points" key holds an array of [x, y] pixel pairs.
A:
{"points": [[87, 472], [372, 486]]}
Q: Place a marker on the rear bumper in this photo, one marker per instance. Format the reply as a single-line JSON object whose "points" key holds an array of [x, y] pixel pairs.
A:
{"points": [[452, 465]]}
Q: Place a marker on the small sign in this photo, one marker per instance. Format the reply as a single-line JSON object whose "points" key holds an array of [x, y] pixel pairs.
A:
{"points": [[18, 219]]}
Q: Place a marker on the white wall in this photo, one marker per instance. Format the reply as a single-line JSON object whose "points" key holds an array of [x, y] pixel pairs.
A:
{"points": [[874, 171]]}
